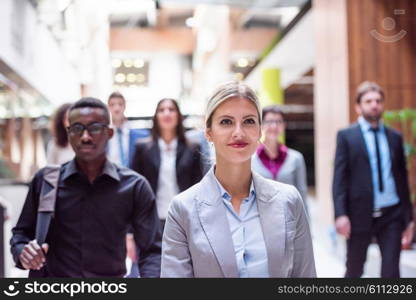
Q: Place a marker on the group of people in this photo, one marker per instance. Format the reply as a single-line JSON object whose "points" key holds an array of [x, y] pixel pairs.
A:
{"points": [[246, 216]]}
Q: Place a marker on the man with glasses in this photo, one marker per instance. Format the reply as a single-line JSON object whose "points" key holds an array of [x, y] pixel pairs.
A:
{"points": [[96, 201]]}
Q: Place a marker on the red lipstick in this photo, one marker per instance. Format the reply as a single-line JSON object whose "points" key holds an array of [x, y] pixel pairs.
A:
{"points": [[238, 144]]}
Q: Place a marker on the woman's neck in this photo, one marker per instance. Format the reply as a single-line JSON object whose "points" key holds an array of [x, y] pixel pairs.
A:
{"points": [[236, 180], [168, 136], [272, 148]]}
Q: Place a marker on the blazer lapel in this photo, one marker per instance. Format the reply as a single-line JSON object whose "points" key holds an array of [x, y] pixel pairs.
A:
{"points": [[179, 153], [359, 137], [215, 224], [272, 218], [391, 144], [155, 155]]}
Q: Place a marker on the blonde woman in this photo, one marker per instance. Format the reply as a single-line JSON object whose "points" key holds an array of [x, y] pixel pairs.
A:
{"points": [[234, 222]]}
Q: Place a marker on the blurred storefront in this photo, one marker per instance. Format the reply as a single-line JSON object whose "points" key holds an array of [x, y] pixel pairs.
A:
{"points": [[51, 52]]}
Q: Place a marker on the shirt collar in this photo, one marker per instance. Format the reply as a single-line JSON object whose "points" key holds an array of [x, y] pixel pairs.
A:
{"points": [[226, 196], [366, 126], [281, 148], [125, 127], [109, 170], [163, 146], [70, 169]]}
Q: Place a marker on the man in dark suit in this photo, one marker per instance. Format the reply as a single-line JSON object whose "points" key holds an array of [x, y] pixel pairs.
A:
{"points": [[370, 186]]}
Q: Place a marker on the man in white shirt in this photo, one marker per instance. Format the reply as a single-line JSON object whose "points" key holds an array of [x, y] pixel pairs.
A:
{"points": [[119, 151], [118, 146], [121, 146]]}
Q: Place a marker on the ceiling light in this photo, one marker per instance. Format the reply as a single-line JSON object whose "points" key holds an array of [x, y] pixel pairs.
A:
{"points": [[131, 77], [139, 63], [128, 63], [120, 78], [190, 22], [140, 78], [116, 63], [242, 62]]}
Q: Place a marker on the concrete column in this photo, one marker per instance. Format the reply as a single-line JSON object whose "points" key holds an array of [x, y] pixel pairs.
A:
{"points": [[331, 103]]}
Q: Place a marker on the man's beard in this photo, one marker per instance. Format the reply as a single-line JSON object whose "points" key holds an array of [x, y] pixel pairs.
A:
{"points": [[372, 118]]}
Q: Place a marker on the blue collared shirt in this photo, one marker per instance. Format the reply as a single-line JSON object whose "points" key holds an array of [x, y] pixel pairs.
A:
{"points": [[389, 195], [246, 231]]}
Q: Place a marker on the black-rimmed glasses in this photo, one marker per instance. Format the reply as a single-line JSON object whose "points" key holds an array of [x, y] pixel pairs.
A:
{"points": [[93, 129], [270, 122]]}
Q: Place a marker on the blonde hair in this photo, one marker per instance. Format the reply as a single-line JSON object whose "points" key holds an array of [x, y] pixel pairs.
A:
{"points": [[227, 91]]}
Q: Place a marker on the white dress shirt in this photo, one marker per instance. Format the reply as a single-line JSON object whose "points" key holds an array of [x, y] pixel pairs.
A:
{"points": [[114, 146], [247, 234], [389, 196], [167, 185]]}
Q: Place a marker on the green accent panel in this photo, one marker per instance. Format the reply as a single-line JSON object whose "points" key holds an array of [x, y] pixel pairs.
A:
{"points": [[271, 91]]}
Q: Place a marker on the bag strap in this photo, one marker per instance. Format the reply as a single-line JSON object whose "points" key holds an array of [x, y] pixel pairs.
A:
{"points": [[47, 201]]}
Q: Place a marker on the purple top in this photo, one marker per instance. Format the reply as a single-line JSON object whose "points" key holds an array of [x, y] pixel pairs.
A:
{"points": [[273, 165]]}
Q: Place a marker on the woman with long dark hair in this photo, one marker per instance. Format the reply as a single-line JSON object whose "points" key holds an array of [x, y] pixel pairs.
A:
{"points": [[59, 150], [168, 161]]}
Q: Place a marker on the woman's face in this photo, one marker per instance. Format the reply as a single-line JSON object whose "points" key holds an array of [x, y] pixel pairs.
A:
{"points": [[167, 115], [273, 125], [235, 130]]}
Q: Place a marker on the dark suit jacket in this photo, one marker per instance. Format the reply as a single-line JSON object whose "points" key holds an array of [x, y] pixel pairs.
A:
{"points": [[352, 187], [134, 135], [146, 161]]}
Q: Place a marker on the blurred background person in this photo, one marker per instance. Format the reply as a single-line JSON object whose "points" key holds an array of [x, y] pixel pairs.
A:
{"points": [[120, 150], [197, 135], [169, 162], [275, 160], [121, 146], [370, 187], [59, 150]]}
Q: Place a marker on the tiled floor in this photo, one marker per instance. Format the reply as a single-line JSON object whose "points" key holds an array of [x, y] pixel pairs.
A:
{"points": [[329, 250]]}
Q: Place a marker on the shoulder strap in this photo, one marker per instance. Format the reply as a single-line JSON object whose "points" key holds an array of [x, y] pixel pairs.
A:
{"points": [[47, 201]]}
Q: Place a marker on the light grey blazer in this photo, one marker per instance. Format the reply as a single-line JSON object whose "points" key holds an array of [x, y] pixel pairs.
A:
{"points": [[197, 240], [293, 171]]}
